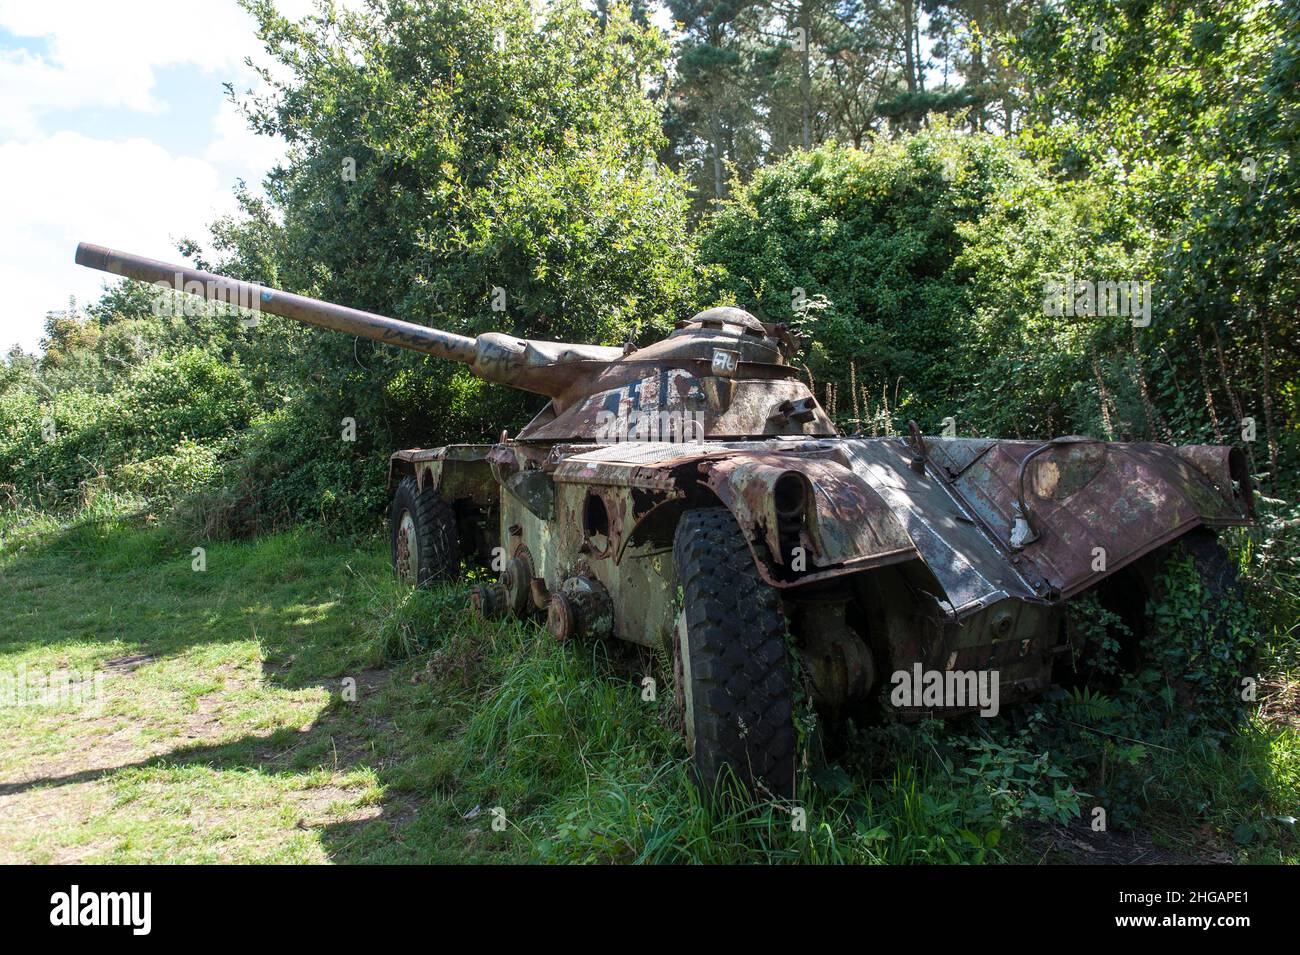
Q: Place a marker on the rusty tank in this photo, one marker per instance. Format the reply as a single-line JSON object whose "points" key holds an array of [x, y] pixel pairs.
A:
{"points": [[693, 497]]}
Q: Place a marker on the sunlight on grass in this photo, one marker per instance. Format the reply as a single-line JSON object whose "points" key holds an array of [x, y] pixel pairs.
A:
{"points": [[292, 704]]}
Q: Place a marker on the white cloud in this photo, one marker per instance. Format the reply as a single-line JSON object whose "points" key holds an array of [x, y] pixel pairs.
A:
{"points": [[237, 148], [105, 54], [132, 195], [58, 187], [61, 187]]}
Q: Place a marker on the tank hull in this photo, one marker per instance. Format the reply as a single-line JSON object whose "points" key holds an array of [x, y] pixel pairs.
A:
{"points": [[948, 553], [691, 494]]}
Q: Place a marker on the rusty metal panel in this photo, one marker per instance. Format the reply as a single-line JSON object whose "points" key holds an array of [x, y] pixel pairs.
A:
{"points": [[873, 505], [631, 464], [955, 455], [456, 471], [967, 563], [1227, 470], [849, 524], [1089, 502]]}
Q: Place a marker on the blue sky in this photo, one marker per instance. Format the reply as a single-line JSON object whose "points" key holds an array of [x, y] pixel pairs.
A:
{"points": [[114, 129]]}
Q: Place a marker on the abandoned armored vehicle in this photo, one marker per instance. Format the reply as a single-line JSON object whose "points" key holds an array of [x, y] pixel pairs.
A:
{"points": [[692, 495]]}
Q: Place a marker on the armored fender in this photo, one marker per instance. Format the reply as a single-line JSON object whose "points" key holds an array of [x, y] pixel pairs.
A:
{"points": [[819, 509]]}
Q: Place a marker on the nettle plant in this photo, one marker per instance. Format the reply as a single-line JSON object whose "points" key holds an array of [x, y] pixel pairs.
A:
{"points": [[1102, 631], [1151, 689], [1205, 646], [1022, 780]]}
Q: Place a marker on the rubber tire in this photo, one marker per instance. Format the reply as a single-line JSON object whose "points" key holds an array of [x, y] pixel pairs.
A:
{"points": [[437, 542], [741, 689]]}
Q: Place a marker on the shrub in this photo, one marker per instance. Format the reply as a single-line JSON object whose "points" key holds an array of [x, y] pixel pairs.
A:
{"points": [[920, 263]]}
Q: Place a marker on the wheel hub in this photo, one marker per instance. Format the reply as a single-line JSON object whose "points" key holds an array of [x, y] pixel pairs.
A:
{"points": [[408, 550]]}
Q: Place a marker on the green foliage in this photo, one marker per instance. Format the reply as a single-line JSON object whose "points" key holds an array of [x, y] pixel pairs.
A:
{"points": [[1021, 783], [921, 262], [1184, 116], [418, 619], [1101, 632], [526, 165], [1207, 643], [597, 774], [429, 164], [190, 468], [1124, 732], [1090, 705], [158, 412]]}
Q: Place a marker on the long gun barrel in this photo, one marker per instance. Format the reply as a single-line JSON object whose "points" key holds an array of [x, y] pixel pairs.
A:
{"points": [[525, 364]]}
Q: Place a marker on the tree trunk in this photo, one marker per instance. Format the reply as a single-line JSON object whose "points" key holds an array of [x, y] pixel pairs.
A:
{"points": [[1156, 423], [715, 141], [919, 61], [909, 58], [1266, 362], [1233, 400], [805, 80]]}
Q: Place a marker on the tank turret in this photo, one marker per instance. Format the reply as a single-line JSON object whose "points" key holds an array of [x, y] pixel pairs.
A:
{"points": [[720, 374]]}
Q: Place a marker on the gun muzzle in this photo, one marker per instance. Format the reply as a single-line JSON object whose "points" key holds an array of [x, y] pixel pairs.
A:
{"points": [[258, 298]]}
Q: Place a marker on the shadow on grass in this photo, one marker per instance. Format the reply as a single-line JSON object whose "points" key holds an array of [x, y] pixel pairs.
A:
{"points": [[94, 593], [139, 590], [410, 822], [320, 613]]}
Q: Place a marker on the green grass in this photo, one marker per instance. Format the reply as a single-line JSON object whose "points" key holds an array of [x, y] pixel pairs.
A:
{"points": [[225, 733]]}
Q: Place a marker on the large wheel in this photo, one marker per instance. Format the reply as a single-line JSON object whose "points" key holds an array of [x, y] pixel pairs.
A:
{"points": [[1197, 643], [734, 684], [1222, 604], [422, 529]]}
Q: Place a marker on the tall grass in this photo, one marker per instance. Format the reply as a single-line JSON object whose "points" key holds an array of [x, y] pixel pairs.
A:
{"points": [[473, 717]]}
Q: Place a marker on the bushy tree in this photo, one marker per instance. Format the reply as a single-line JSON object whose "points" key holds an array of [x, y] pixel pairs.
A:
{"points": [[53, 442], [444, 158], [917, 268], [1186, 114]]}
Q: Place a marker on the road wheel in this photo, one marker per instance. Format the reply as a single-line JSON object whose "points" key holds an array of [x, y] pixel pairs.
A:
{"points": [[1202, 633], [422, 527], [734, 686], [1179, 613]]}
